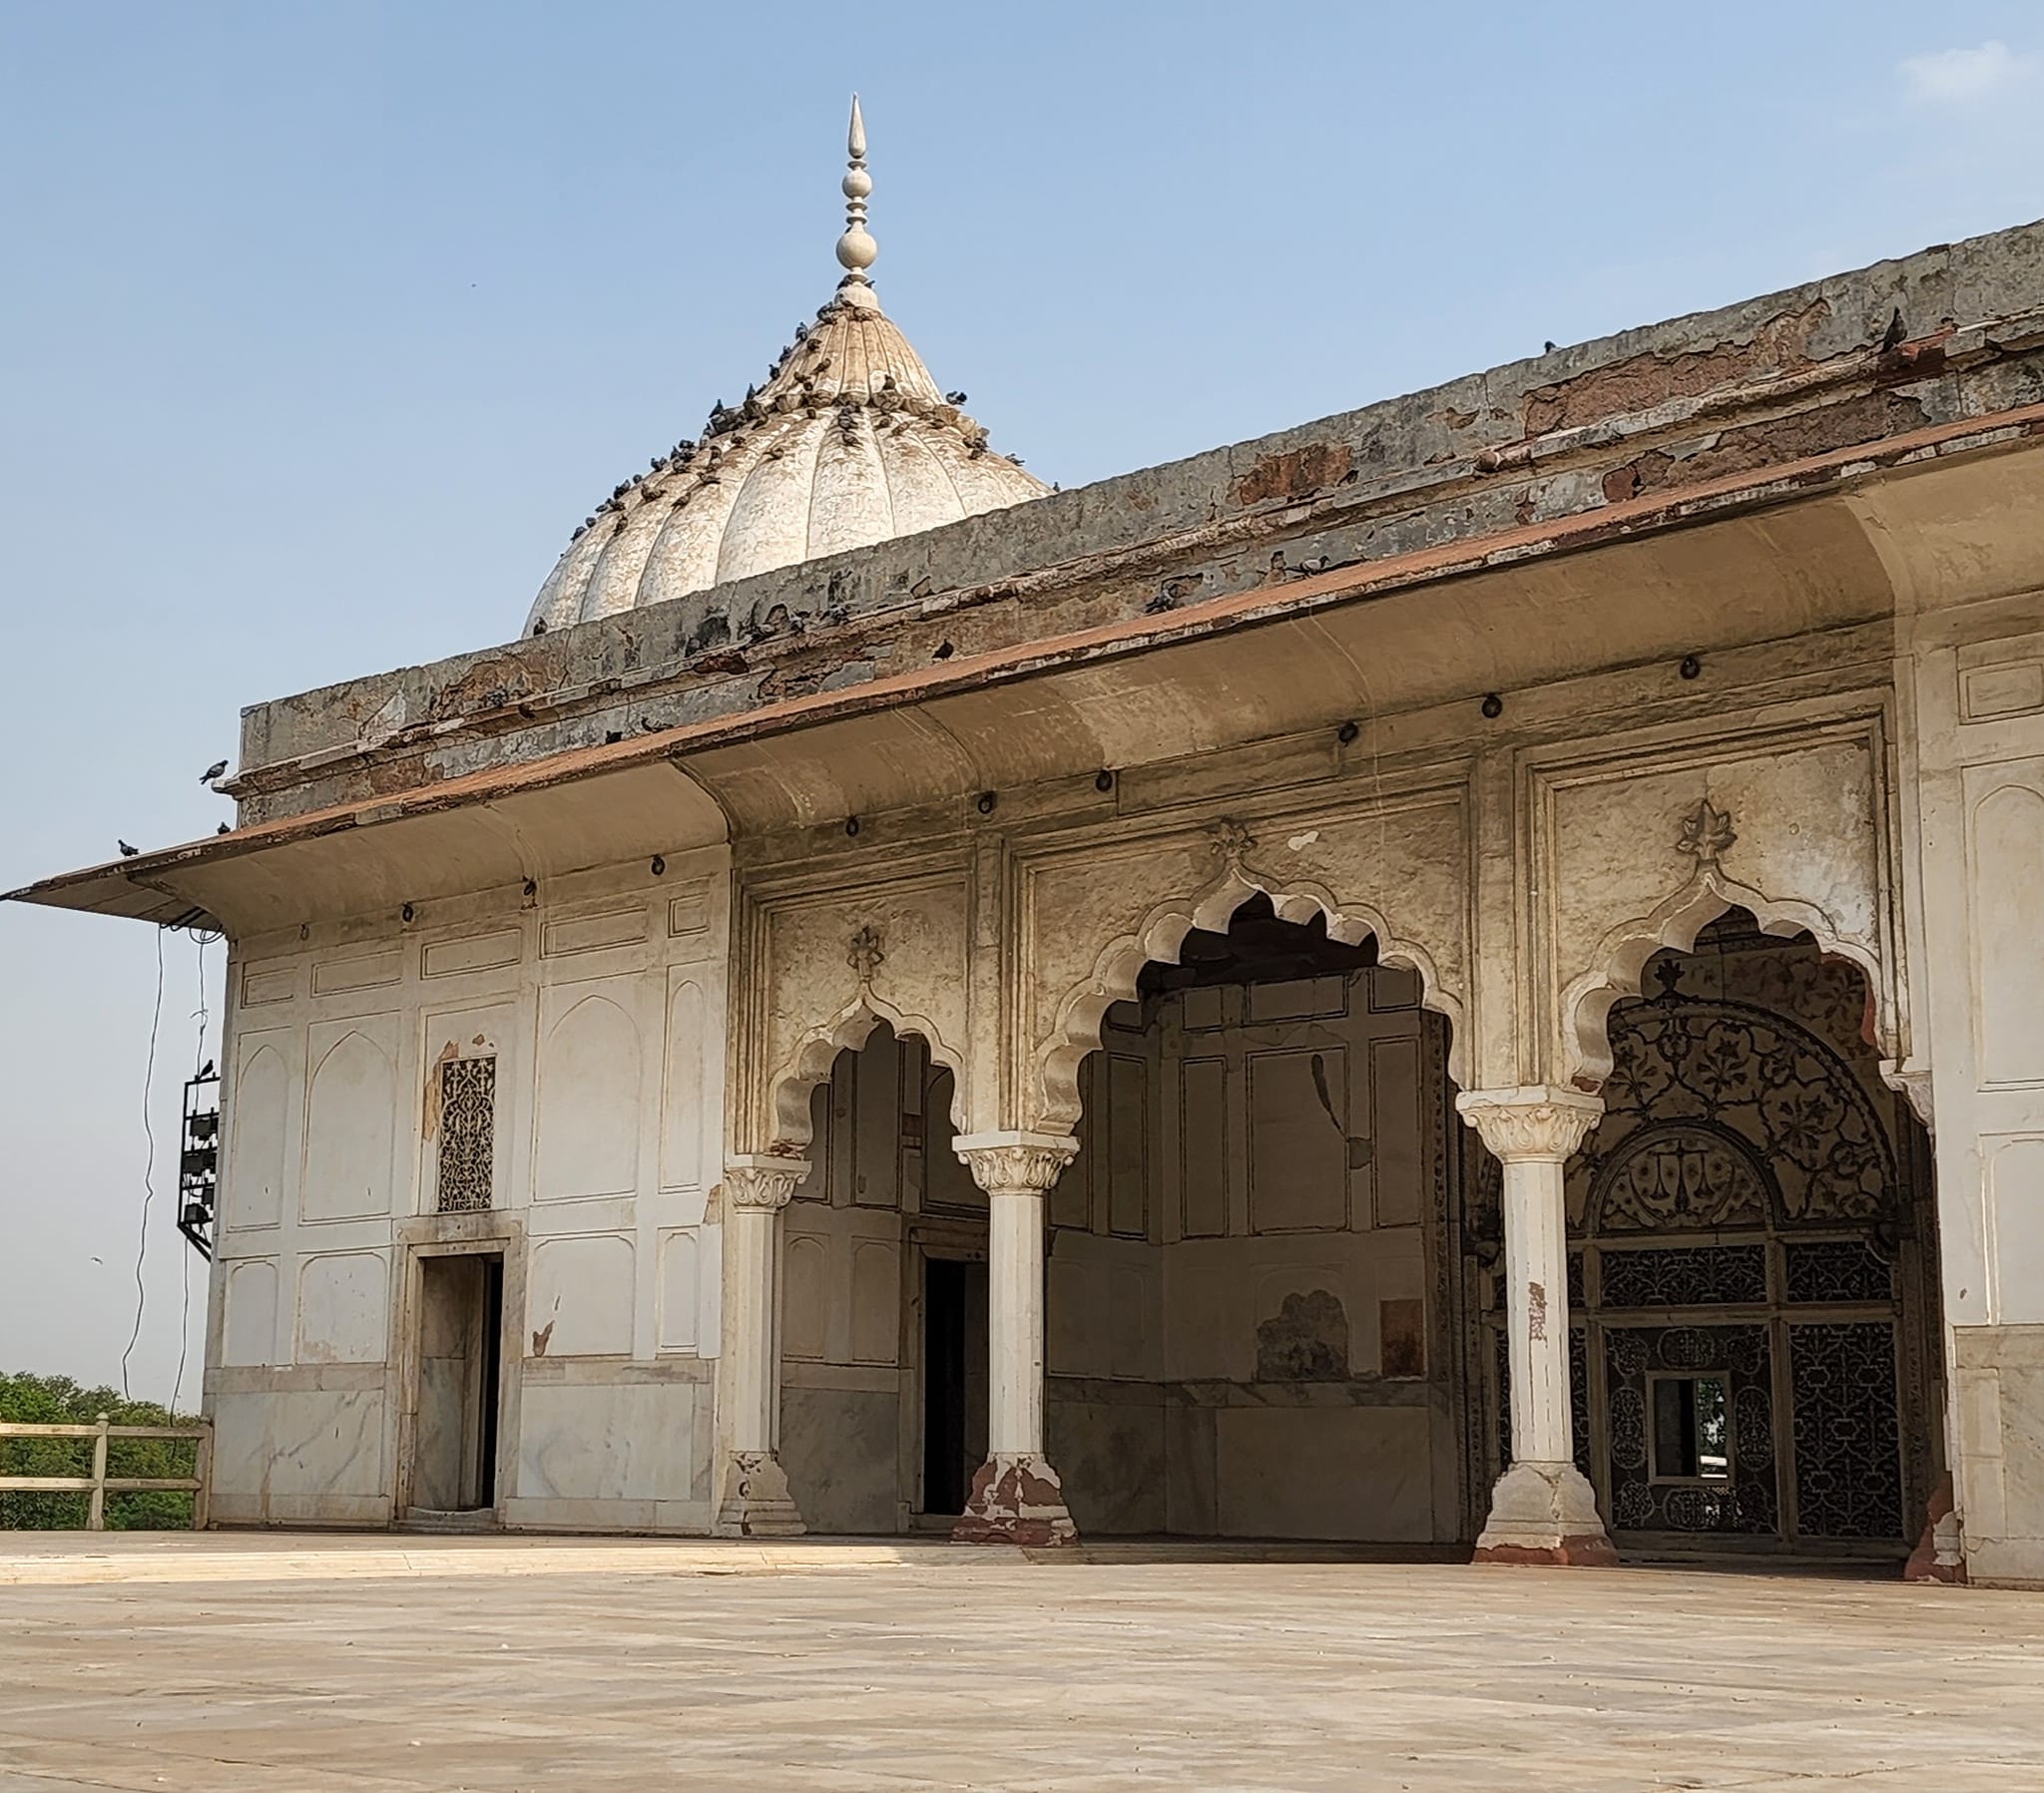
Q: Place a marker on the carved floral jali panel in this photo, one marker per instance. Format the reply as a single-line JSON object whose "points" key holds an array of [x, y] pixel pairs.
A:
{"points": [[1748, 1261]]}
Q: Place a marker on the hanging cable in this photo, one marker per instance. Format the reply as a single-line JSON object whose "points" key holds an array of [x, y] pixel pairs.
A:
{"points": [[202, 940], [148, 1163]]}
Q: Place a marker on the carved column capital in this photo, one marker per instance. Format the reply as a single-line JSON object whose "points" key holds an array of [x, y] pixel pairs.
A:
{"points": [[1536, 1121], [1013, 1163], [763, 1183]]}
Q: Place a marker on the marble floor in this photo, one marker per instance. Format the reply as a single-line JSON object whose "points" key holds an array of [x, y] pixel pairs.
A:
{"points": [[275, 1662]]}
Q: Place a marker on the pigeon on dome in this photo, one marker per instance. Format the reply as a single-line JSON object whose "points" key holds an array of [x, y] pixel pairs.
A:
{"points": [[848, 442]]}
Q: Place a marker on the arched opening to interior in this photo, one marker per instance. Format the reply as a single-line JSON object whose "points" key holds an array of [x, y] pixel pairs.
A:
{"points": [[883, 1333], [1755, 1358], [1252, 1330]]}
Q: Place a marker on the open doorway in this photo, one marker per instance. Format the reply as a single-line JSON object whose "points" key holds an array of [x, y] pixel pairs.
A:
{"points": [[454, 1441], [1251, 1318], [954, 1381], [884, 1337]]}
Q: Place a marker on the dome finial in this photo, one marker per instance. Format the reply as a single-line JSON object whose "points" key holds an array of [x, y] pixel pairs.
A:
{"points": [[856, 250]]}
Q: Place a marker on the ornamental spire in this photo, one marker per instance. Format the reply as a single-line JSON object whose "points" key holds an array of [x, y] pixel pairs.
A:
{"points": [[856, 250]]}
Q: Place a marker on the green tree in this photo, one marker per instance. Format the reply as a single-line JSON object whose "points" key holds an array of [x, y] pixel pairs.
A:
{"points": [[59, 1401]]}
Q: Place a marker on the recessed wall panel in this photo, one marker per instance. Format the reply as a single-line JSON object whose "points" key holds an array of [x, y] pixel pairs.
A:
{"points": [[260, 1119], [586, 1135], [350, 1119], [1299, 1146]]}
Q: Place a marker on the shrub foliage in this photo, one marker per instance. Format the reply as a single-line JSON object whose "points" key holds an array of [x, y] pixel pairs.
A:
{"points": [[59, 1401]]}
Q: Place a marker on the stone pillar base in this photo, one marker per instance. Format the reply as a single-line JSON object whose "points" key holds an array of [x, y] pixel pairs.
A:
{"points": [[756, 1502], [1940, 1553], [1545, 1513], [1016, 1500]]}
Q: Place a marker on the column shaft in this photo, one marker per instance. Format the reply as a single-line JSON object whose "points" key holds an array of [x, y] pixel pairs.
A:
{"points": [[752, 1238], [1015, 1321], [1537, 1309]]}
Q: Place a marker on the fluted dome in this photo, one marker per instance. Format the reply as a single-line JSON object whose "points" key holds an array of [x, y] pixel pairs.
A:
{"points": [[849, 442]]}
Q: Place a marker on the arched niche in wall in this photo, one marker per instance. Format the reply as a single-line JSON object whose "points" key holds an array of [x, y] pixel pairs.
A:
{"points": [[350, 1114], [260, 1117], [689, 1130], [2007, 846], [250, 1313], [586, 1129], [343, 1303]]}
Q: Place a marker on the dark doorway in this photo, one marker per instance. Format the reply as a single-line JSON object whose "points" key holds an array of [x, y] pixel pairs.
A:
{"points": [[954, 1370], [461, 1323]]}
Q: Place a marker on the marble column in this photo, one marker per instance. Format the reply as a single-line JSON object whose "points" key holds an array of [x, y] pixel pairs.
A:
{"points": [[754, 1499], [1542, 1509], [1016, 1495]]}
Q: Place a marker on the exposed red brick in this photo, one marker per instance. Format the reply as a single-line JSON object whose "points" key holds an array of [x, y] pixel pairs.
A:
{"points": [[1296, 473], [1643, 381], [514, 675], [1594, 1551], [1866, 417], [1923, 1565]]}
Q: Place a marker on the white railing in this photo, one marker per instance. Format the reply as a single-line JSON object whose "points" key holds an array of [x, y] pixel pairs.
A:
{"points": [[99, 1484]]}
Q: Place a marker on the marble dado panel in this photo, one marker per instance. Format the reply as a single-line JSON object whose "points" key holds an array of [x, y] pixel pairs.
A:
{"points": [[1611, 856], [828, 964], [1092, 915], [1998, 1399], [615, 1441], [291, 1455]]}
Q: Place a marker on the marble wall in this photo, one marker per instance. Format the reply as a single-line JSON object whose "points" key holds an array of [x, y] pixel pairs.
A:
{"points": [[596, 1010], [1978, 695]]}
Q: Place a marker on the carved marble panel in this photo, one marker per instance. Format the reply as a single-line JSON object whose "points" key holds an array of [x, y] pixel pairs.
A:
{"points": [[1091, 918], [831, 965], [1637, 848]]}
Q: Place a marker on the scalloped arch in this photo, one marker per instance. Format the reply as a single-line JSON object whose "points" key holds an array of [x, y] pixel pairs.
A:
{"points": [[1080, 1012], [1621, 961], [850, 1028]]}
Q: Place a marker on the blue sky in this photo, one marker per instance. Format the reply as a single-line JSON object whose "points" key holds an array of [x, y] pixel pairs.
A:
{"points": [[322, 325]]}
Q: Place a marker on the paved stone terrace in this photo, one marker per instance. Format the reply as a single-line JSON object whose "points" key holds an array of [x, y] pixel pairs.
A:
{"points": [[274, 1662]]}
